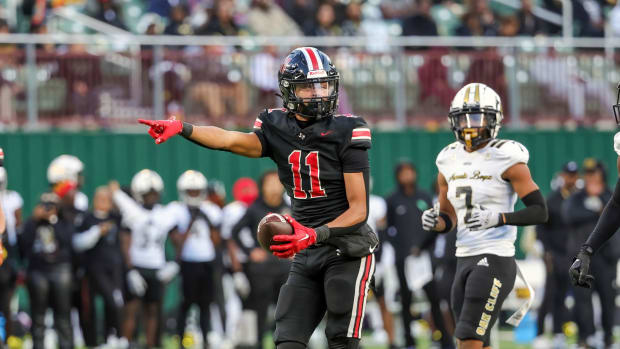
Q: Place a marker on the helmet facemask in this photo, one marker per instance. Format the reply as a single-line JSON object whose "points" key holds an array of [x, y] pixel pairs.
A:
{"points": [[474, 127], [312, 98], [193, 197]]}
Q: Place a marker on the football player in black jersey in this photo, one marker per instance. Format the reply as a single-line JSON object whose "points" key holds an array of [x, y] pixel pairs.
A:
{"points": [[322, 162], [608, 224]]}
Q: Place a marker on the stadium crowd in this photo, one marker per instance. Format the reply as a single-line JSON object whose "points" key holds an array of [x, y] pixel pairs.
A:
{"points": [[127, 248]]}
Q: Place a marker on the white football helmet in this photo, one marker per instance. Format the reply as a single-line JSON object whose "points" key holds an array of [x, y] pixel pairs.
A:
{"points": [[3, 179], [64, 167], [475, 114], [192, 180], [145, 181]]}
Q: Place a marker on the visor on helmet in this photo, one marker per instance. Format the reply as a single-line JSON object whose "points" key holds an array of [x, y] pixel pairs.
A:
{"points": [[308, 91]]}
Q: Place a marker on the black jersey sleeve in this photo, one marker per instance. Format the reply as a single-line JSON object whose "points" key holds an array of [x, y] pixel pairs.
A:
{"points": [[359, 136], [354, 154], [261, 129]]}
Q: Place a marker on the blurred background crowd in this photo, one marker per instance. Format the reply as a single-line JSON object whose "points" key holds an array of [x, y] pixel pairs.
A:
{"points": [[121, 268], [102, 82]]}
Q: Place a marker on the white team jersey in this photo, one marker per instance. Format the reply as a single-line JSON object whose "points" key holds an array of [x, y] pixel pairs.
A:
{"points": [[376, 211], [149, 230], [198, 246], [11, 202], [476, 179], [81, 201], [231, 214]]}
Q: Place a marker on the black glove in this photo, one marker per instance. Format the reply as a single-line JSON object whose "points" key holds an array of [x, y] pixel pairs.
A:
{"points": [[578, 272]]}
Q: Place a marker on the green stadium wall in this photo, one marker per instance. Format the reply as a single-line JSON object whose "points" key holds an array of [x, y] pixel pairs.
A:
{"points": [[119, 156]]}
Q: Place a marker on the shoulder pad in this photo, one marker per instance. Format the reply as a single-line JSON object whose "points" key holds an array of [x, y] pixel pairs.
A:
{"points": [[445, 152], [266, 116], [510, 149]]}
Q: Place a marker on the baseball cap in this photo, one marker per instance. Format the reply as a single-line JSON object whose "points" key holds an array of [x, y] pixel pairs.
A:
{"points": [[570, 167], [592, 164]]}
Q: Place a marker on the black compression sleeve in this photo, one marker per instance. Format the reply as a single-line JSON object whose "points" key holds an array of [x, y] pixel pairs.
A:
{"points": [[535, 211], [608, 223]]}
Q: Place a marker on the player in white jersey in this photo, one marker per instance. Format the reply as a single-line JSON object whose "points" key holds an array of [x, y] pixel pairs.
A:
{"points": [[69, 168], [143, 249], [196, 238], [480, 178], [606, 227], [11, 210]]}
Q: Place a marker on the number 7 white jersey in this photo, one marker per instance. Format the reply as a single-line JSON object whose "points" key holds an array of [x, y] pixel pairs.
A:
{"points": [[476, 179]]}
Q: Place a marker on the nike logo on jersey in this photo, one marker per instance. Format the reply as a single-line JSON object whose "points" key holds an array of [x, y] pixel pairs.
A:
{"points": [[483, 262], [372, 249], [323, 134]]}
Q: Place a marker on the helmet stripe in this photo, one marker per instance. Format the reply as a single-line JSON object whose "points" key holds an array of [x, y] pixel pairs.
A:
{"points": [[318, 56], [313, 58], [307, 57]]}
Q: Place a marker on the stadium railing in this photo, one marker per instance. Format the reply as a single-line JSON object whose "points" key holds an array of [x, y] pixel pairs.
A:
{"points": [[105, 80]]}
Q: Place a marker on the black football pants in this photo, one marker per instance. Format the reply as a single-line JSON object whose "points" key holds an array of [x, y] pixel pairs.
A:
{"points": [[51, 288], [265, 279], [321, 280], [556, 287], [199, 285], [433, 296]]}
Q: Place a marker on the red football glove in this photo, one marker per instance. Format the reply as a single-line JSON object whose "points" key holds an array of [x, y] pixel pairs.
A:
{"points": [[301, 238], [161, 130]]}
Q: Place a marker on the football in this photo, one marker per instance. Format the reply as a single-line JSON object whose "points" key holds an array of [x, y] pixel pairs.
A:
{"points": [[272, 224]]}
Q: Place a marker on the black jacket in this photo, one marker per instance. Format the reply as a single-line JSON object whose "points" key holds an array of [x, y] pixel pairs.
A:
{"points": [[404, 222], [44, 245], [580, 216], [555, 232]]}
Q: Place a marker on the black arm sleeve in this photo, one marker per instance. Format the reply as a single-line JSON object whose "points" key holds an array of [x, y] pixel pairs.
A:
{"points": [[608, 223], [355, 160], [535, 211]]}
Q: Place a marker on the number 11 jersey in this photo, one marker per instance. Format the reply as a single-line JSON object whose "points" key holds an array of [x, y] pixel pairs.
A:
{"points": [[311, 160], [475, 180]]}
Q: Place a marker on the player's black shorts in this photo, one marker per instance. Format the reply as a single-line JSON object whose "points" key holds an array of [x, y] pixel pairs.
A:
{"points": [[480, 286], [155, 288], [322, 280]]}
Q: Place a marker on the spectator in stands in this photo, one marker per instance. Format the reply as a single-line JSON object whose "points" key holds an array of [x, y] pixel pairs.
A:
{"points": [[302, 12], [529, 24], [421, 23], [435, 89], [179, 22], [263, 65], [325, 22], [268, 19], [109, 13], [223, 22], [614, 19], [218, 86], [352, 23], [509, 26], [478, 20], [8, 89], [45, 242]]}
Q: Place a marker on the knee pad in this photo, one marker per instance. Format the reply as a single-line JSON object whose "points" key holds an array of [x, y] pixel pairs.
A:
{"points": [[343, 343], [291, 345]]}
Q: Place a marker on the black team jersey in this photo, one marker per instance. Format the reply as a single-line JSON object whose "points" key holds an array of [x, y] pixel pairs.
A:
{"points": [[311, 163]]}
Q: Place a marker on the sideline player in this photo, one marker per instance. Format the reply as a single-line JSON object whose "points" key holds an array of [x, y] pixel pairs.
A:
{"points": [[607, 225], [322, 161], [479, 180]]}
